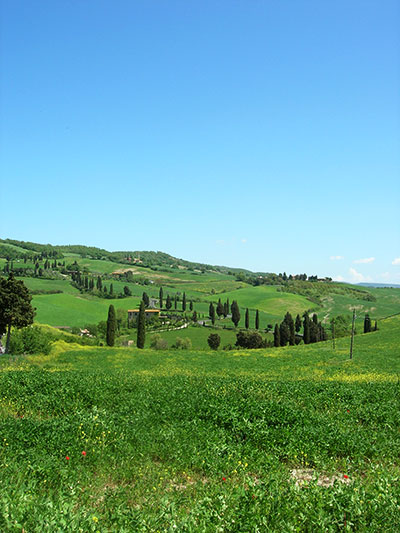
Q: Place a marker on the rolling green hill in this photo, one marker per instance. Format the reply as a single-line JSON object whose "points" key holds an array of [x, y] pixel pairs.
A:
{"points": [[201, 283]]}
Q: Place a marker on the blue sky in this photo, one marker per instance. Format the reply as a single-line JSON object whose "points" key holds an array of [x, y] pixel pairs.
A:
{"points": [[254, 133]]}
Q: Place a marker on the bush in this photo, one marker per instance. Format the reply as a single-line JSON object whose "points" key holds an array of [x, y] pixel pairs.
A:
{"points": [[214, 340], [158, 343], [248, 339], [30, 340], [182, 343]]}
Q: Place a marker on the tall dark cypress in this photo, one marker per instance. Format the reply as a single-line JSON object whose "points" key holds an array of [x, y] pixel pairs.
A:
{"points": [[257, 321], [235, 313], [184, 302], [168, 303], [211, 313], [290, 324], [367, 324], [306, 328], [220, 308], [160, 297], [141, 326], [277, 338], [298, 323], [191, 305], [111, 289], [247, 319], [284, 333], [111, 326]]}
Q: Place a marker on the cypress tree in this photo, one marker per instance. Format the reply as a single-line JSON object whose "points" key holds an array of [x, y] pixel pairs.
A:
{"points": [[146, 299], [290, 324], [367, 324], [211, 313], [168, 303], [191, 305], [298, 323], [277, 338], [257, 321], [105, 289], [175, 301], [220, 308], [111, 326], [184, 302], [160, 297], [376, 326], [235, 313], [284, 333], [99, 283], [306, 328], [226, 309], [247, 319], [314, 332], [141, 326], [111, 289]]}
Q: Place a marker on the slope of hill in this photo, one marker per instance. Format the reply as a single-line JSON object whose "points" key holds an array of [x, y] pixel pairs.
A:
{"points": [[114, 439]]}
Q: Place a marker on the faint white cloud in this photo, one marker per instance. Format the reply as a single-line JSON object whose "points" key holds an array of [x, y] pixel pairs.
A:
{"points": [[357, 277], [366, 260], [338, 278], [244, 241], [336, 257], [396, 261]]}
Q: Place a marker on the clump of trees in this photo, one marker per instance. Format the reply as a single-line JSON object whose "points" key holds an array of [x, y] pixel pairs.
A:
{"points": [[15, 306], [288, 331], [214, 340], [249, 339]]}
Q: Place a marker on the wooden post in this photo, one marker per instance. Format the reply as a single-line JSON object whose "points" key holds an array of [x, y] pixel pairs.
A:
{"points": [[352, 334], [333, 334]]}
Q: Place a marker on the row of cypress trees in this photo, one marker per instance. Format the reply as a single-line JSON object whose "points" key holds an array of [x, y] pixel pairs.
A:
{"points": [[288, 331]]}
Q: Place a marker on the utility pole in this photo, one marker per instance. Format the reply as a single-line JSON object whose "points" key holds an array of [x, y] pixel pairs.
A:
{"points": [[333, 334], [352, 334]]}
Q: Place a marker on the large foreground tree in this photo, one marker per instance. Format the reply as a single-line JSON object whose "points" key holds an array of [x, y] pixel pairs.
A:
{"points": [[15, 306]]}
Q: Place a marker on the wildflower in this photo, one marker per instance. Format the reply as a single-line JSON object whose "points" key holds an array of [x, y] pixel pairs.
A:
{"points": [[348, 410], [67, 458], [345, 476], [224, 479], [83, 453], [95, 519]]}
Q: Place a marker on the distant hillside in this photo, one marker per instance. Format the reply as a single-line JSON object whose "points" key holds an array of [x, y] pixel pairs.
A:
{"points": [[382, 285]]}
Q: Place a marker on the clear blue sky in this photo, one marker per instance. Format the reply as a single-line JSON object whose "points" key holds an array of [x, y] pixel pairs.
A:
{"points": [[255, 133]]}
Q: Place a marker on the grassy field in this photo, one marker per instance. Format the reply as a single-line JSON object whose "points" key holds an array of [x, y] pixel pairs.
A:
{"points": [[287, 439]]}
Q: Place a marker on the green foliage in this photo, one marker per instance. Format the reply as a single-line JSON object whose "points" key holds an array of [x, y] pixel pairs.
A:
{"points": [[141, 326], [182, 343], [158, 343], [111, 326], [200, 442], [235, 313], [367, 324], [248, 339], [211, 313], [30, 340], [277, 337], [214, 340], [15, 306]]}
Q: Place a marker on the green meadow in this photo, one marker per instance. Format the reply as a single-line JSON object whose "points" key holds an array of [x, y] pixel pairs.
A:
{"points": [[120, 439]]}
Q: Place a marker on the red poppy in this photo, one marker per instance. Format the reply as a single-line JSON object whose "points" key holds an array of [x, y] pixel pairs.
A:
{"points": [[67, 458], [345, 477], [224, 479], [348, 410], [83, 453]]}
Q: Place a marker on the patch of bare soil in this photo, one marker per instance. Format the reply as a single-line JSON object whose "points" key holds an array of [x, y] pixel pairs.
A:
{"points": [[303, 476]]}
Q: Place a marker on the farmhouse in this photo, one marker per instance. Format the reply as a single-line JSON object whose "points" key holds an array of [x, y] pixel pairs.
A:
{"points": [[133, 313]]}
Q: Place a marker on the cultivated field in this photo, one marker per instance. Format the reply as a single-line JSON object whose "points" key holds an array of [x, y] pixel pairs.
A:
{"points": [[287, 439]]}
